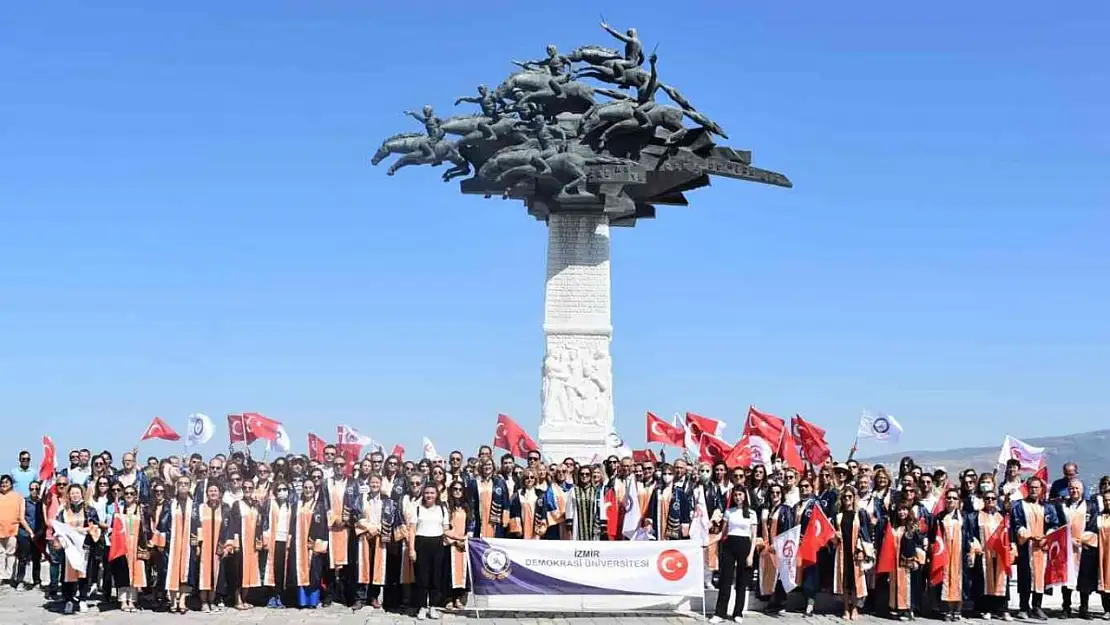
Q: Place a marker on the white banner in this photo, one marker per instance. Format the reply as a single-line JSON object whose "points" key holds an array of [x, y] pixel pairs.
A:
{"points": [[562, 575]]}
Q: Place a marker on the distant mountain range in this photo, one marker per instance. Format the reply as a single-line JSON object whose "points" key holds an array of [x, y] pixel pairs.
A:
{"points": [[1090, 450]]}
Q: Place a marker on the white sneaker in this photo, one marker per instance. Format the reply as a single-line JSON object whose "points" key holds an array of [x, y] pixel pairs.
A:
{"points": [[422, 614], [69, 607], [83, 606], [716, 619], [433, 613], [738, 619]]}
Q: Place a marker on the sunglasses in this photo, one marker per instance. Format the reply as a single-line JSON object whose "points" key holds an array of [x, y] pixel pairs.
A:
{"points": [[456, 489], [159, 492]]}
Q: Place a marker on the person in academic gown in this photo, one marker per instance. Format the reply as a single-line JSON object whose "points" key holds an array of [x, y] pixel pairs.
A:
{"points": [[308, 547], [336, 492], [214, 542], [669, 508], [181, 552], [950, 547], [461, 525], [245, 563], [909, 558], [129, 572], [555, 502], [405, 572], [988, 577], [808, 577], [1073, 511], [527, 510], [378, 526], [775, 518], [1030, 520], [489, 498], [157, 519], [1094, 564], [852, 548], [277, 520], [76, 514]]}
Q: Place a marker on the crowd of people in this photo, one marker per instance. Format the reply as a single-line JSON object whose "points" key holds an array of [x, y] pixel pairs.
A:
{"points": [[181, 534]]}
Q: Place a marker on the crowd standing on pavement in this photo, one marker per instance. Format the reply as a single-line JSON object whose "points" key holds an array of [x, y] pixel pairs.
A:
{"points": [[181, 534]]}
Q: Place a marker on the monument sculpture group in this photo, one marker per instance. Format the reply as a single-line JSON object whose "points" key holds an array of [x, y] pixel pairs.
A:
{"points": [[582, 139]]}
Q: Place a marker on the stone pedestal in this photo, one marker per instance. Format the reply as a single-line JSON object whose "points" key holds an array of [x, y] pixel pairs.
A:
{"points": [[577, 397]]}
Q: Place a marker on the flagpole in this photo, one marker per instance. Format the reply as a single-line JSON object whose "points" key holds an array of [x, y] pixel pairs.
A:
{"points": [[855, 447]]}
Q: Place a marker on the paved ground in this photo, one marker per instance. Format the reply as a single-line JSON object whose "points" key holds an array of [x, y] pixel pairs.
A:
{"points": [[29, 608]]}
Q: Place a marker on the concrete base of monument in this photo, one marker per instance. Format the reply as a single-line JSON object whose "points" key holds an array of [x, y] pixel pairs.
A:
{"points": [[564, 441]]}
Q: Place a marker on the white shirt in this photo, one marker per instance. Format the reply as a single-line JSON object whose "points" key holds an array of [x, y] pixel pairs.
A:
{"points": [[281, 532], [431, 522], [740, 524]]}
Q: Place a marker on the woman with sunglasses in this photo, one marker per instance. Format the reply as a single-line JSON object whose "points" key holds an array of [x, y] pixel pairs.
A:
{"points": [[901, 542], [527, 510], [987, 571], [214, 543], [157, 521], [853, 549], [489, 499], [810, 580], [77, 515], [102, 499], [308, 548], [740, 527], [461, 525], [276, 520], [129, 571], [776, 519]]}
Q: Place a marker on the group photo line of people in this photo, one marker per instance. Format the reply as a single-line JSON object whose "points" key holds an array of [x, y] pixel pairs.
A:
{"points": [[379, 531]]}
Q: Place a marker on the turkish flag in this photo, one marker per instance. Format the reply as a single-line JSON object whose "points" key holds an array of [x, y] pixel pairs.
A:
{"points": [[1058, 568], [713, 448], [888, 554], [818, 534], [612, 515], [812, 440], [999, 543], [643, 455], [261, 427], [399, 452], [160, 429], [788, 451], [316, 447], [659, 431], [741, 455], [48, 466], [118, 548], [237, 430], [351, 452], [939, 551], [764, 425], [512, 438], [703, 425]]}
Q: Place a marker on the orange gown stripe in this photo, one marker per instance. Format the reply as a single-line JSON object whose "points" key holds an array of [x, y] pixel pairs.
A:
{"points": [[209, 544], [303, 544], [850, 543], [1103, 553], [337, 538], [951, 587], [177, 556], [458, 556], [136, 568], [768, 563], [251, 575]]}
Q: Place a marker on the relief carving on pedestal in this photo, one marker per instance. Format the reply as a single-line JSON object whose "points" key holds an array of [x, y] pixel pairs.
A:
{"points": [[576, 387]]}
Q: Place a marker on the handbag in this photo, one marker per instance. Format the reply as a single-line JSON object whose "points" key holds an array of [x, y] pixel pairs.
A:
{"points": [[142, 554]]}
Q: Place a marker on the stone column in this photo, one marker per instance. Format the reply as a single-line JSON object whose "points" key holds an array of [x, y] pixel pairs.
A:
{"points": [[577, 397]]}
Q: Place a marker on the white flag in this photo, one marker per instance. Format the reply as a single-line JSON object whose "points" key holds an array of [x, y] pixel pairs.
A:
{"points": [[1030, 457], [699, 524], [881, 427], [199, 431], [786, 556], [632, 513], [281, 442], [349, 435], [73, 542], [761, 450], [430, 450], [616, 446]]}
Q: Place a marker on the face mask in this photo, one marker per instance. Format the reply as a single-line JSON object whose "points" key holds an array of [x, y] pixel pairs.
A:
{"points": [[74, 506], [985, 487], [282, 495], [704, 475], [668, 478]]}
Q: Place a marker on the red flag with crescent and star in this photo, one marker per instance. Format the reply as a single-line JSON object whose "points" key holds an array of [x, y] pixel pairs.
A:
{"points": [[788, 451], [713, 448], [939, 557], [659, 431], [512, 438], [1057, 569], [251, 426], [398, 451], [48, 465], [999, 543], [811, 439], [160, 429], [764, 425], [703, 425], [818, 534], [118, 549]]}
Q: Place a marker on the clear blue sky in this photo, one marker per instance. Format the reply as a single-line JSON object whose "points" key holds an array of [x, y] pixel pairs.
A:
{"points": [[188, 221]]}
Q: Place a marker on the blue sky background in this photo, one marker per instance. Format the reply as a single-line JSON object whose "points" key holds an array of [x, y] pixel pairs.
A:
{"points": [[188, 221]]}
